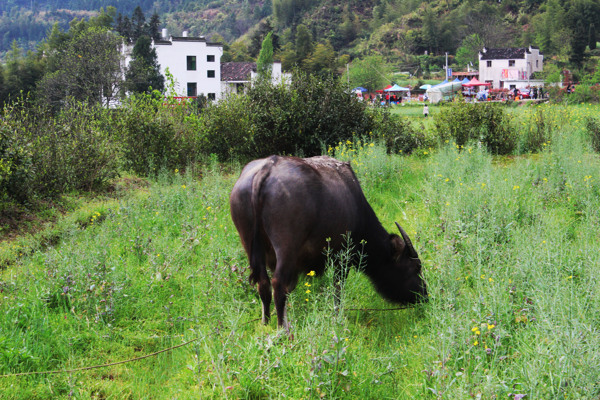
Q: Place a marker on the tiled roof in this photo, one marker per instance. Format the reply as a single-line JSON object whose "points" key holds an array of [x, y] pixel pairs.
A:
{"points": [[504, 54], [237, 71]]}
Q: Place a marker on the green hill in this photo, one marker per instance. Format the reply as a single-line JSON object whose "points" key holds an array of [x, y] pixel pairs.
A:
{"points": [[409, 33]]}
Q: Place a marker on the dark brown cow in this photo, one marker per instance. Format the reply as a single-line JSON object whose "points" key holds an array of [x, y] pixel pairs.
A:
{"points": [[285, 210]]}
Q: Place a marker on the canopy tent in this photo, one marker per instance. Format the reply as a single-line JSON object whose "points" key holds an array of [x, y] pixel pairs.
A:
{"points": [[397, 88], [440, 84], [425, 87], [457, 80], [384, 89], [474, 82], [359, 89], [466, 80], [444, 91]]}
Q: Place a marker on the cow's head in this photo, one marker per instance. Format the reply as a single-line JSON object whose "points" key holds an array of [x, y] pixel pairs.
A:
{"points": [[401, 280]]}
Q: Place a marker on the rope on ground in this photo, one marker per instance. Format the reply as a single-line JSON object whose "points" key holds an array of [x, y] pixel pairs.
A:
{"points": [[378, 309], [99, 366]]}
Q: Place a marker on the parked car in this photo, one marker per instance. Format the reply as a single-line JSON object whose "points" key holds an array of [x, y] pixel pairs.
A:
{"points": [[524, 94]]}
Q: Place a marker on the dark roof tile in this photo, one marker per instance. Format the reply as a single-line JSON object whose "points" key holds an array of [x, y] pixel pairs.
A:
{"points": [[237, 71], [504, 54]]}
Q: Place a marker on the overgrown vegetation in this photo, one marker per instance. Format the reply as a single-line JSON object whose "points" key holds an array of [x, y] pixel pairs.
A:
{"points": [[510, 256]]}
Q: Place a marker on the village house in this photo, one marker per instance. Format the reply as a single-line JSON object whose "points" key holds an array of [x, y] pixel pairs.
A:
{"points": [[510, 68], [195, 64]]}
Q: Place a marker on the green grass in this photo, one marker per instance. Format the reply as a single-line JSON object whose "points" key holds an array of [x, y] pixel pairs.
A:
{"points": [[510, 254]]}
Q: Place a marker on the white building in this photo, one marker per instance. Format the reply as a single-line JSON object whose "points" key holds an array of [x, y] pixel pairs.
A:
{"points": [[196, 67], [237, 76], [194, 63], [510, 67]]}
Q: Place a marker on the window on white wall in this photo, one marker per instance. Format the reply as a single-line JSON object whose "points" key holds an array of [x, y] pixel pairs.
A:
{"points": [[210, 73], [511, 63], [489, 64], [210, 58], [192, 89], [211, 96], [191, 63]]}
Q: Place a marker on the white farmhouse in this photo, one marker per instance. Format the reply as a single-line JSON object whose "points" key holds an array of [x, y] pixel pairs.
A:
{"points": [[237, 76], [194, 63], [196, 67], [510, 67]]}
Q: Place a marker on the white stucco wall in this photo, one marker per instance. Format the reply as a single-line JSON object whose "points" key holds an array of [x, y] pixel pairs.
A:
{"points": [[501, 74], [172, 54]]}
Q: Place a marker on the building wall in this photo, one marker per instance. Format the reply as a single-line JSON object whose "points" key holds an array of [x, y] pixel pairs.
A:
{"points": [[502, 74], [173, 54]]}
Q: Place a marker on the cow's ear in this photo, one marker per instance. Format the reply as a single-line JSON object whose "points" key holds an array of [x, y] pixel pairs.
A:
{"points": [[398, 246]]}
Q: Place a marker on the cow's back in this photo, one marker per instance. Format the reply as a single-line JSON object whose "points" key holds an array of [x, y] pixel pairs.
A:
{"points": [[303, 206]]}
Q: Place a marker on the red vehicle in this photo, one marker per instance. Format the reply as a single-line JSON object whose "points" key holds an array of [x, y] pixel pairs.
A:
{"points": [[524, 94]]}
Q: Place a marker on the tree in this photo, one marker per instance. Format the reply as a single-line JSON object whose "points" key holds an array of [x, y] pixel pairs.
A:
{"points": [[321, 61], [304, 43], [138, 24], [90, 68], [258, 36], [154, 27], [578, 45], [469, 50], [592, 37], [264, 64], [371, 72], [143, 73]]}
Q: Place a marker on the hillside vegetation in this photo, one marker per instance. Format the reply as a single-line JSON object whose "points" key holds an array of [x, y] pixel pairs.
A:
{"points": [[411, 34]]}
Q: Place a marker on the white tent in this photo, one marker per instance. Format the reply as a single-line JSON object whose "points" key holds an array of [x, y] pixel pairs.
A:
{"points": [[443, 92]]}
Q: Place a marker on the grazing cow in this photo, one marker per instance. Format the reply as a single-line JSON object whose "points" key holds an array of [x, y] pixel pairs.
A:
{"points": [[287, 210]]}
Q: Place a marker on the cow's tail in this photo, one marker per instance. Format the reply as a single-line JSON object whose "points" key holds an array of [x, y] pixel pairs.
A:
{"points": [[258, 266]]}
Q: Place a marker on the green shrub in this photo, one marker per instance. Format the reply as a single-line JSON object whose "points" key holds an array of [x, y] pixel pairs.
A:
{"points": [[225, 129], [536, 133], [45, 155], [484, 122], [299, 118], [396, 132], [304, 116], [156, 135], [592, 125], [15, 158]]}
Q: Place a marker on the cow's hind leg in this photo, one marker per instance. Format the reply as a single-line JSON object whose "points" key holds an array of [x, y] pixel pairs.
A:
{"points": [[264, 291], [284, 281]]}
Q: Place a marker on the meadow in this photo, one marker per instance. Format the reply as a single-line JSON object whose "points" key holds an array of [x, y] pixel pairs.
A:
{"points": [[511, 257]]}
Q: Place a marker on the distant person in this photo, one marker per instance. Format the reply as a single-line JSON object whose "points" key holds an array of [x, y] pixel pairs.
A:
{"points": [[426, 111]]}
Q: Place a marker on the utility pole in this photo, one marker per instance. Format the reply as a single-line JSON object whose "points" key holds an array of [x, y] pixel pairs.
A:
{"points": [[446, 65]]}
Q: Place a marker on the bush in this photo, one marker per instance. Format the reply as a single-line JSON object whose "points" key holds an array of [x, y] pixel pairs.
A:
{"points": [[156, 135], [45, 155], [397, 133], [592, 125], [304, 116], [15, 158], [225, 129], [484, 122], [536, 133], [299, 118]]}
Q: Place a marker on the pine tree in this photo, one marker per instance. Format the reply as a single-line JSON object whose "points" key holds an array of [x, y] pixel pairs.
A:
{"points": [[154, 27], [138, 24], [143, 73], [592, 37]]}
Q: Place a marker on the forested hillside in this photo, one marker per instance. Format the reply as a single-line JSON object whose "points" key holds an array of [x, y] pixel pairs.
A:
{"points": [[322, 36]]}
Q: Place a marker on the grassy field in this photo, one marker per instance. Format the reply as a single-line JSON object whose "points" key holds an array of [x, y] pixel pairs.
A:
{"points": [[511, 256]]}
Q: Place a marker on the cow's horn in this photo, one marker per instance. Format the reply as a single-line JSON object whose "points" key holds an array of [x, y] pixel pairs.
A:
{"points": [[407, 241]]}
